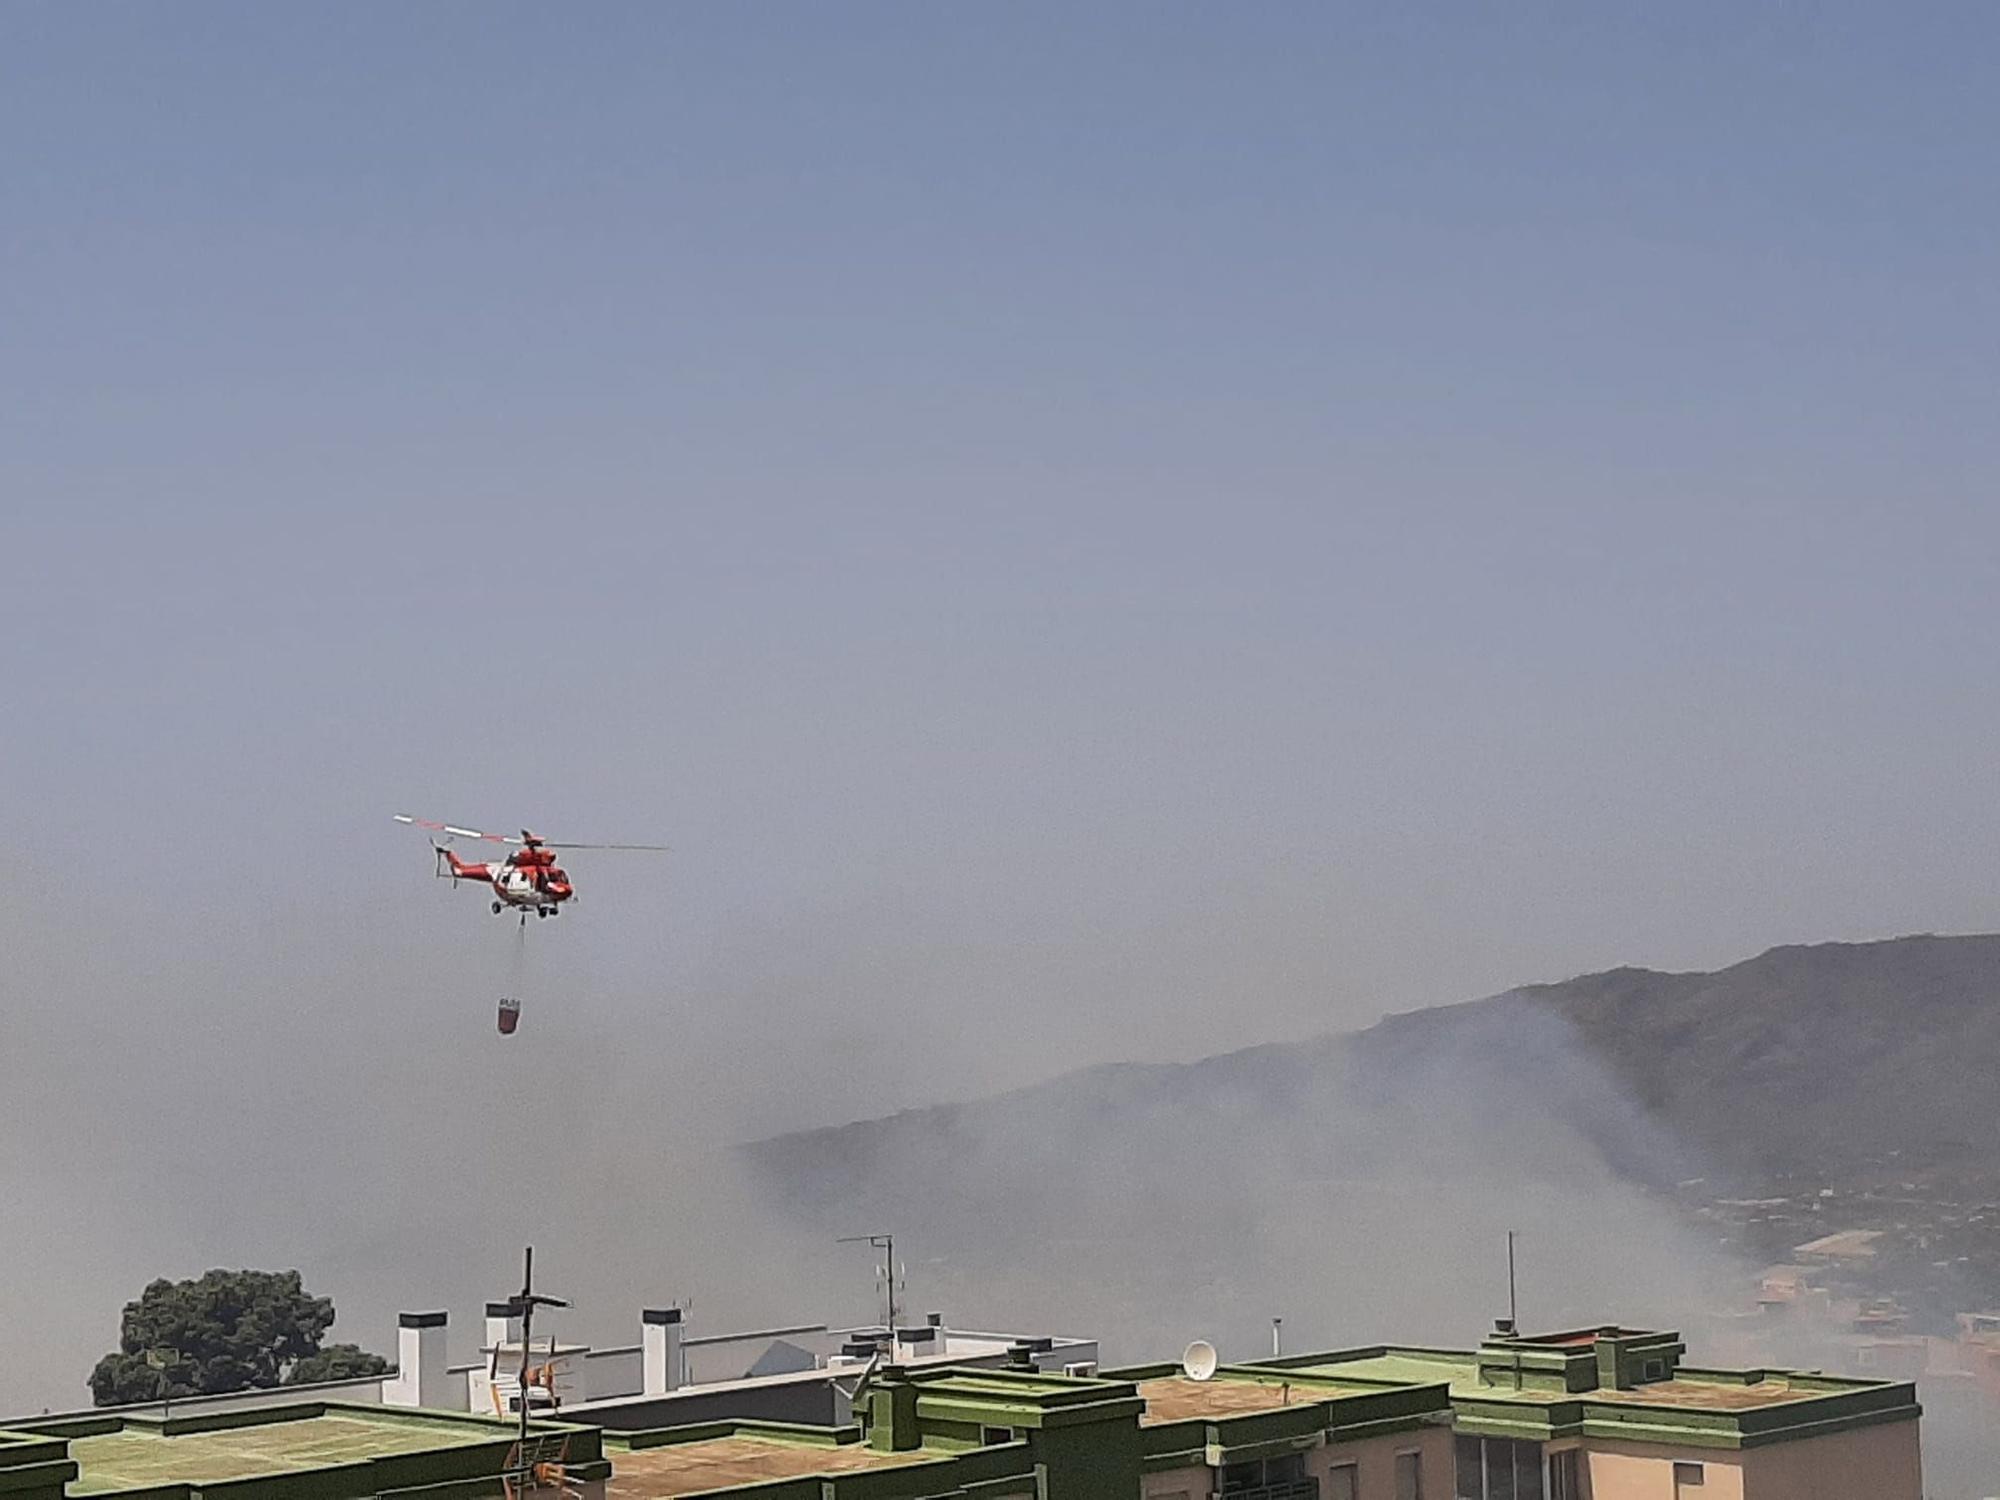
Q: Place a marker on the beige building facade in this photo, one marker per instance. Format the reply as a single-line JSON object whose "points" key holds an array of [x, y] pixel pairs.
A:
{"points": [[1874, 1461], [1252, 1433]]}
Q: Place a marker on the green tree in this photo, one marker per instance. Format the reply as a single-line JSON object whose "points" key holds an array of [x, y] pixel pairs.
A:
{"points": [[225, 1331], [336, 1362]]}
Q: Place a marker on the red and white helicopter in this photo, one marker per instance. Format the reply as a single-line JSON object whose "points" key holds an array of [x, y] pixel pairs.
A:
{"points": [[528, 880]]}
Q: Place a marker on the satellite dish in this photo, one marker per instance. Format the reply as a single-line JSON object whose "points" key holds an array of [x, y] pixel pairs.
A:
{"points": [[1199, 1361]]}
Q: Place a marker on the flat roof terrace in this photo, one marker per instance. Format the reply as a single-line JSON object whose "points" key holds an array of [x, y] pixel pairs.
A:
{"points": [[1713, 1395], [1689, 1388], [306, 1451], [1251, 1411], [718, 1463], [137, 1457], [1175, 1398], [1684, 1404]]}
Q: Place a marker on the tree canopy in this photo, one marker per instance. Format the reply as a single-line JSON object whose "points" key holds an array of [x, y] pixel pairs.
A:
{"points": [[224, 1331], [336, 1362]]}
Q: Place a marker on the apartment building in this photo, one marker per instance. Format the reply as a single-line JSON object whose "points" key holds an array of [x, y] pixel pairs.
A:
{"points": [[1617, 1414], [1606, 1413]]}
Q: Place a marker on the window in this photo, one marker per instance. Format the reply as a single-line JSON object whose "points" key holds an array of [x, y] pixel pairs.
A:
{"points": [[988, 1436], [1257, 1475], [1528, 1471], [1564, 1481], [1471, 1481], [1341, 1483], [1687, 1479], [1656, 1369], [1236, 1478], [1499, 1469], [1409, 1476]]}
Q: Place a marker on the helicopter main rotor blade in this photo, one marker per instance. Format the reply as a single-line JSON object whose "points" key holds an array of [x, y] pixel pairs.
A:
{"points": [[646, 848], [464, 833]]}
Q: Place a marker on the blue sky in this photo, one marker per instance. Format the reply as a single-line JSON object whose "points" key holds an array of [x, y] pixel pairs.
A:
{"points": [[1095, 532]]}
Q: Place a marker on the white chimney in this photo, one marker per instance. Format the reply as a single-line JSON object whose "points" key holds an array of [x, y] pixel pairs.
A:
{"points": [[936, 1320], [661, 1359], [421, 1375], [503, 1324]]}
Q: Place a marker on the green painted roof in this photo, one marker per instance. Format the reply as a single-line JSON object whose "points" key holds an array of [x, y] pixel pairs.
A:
{"points": [[1715, 1408], [140, 1457], [1399, 1366]]}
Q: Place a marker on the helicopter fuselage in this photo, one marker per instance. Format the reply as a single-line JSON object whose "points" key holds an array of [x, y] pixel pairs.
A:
{"points": [[518, 887], [527, 881]]}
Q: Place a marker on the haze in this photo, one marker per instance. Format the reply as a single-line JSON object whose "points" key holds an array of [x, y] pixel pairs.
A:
{"points": [[1094, 536]]}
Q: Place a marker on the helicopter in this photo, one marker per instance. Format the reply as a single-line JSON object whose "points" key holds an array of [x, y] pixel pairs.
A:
{"points": [[527, 880]]}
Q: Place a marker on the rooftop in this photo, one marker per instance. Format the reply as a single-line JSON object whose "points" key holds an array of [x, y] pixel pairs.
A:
{"points": [[1695, 1389], [139, 1457], [1712, 1395], [305, 1451], [1616, 1382], [716, 1463], [1175, 1398]]}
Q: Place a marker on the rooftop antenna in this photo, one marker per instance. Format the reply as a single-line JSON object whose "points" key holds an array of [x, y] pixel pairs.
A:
{"points": [[886, 1243], [1513, 1308], [1200, 1361], [529, 1300]]}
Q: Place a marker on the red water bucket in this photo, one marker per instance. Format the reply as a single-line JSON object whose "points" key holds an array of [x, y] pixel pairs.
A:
{"points": [[510, 1016]]}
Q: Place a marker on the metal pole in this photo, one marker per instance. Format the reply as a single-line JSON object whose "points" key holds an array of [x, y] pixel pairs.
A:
{"points": [[527, 1340], [1277, 1337], [889, 1249], [1513, 1310], [886, 1243]]}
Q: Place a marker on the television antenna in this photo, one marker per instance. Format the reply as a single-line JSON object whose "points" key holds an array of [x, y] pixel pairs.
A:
{"points": [[887, 1276], [528, 1301], [1199, 1362]]}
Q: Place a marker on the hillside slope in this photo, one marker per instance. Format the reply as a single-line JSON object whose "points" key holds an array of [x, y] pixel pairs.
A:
{"points": [[1655, 1138], [1828, 1060]]}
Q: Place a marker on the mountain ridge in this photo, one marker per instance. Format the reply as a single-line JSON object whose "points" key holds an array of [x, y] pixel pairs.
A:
{"points": [[1802, 1058]]}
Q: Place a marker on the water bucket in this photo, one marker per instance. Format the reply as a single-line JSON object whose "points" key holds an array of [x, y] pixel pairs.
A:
{"points": [[510, 1015]]}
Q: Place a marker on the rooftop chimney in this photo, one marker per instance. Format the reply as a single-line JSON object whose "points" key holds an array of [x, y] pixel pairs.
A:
{"points": [[503, 1323], [662, 1349], [421, 1376], [936, 1320]]}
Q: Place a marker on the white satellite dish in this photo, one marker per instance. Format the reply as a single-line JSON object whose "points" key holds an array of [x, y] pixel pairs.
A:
{"points": [[1199, 1361]]}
